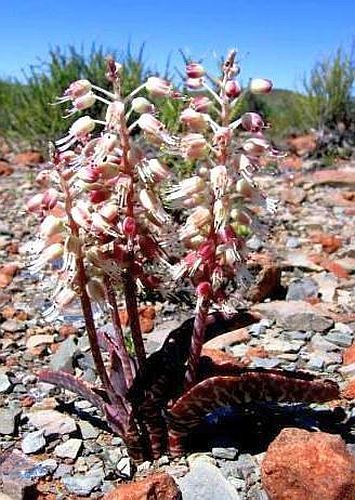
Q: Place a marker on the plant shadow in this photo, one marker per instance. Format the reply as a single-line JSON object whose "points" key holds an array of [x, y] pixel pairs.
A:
{"points": [[251, 428]]}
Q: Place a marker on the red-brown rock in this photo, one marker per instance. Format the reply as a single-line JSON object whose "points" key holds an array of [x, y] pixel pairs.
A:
{"points": [[302, 145], [7, 272], [5, 169], [302, 465], [267, 285], [159, 486], [330, 243], [342, 177], [349, 390], [349, 355], [28, 158]]}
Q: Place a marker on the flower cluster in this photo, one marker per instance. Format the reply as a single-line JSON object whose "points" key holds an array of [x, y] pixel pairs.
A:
{"points": [[108, 214]]}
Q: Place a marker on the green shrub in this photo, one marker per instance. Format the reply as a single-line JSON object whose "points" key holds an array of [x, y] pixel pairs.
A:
{"points": [[329, 88], [27, 116]]}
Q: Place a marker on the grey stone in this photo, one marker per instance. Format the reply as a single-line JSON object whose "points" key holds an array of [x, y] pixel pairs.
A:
{"points": [[87, 430], [163, 460], [206, 482], [84, 484], [69, 449], [225, 453], [245, 466], [302, 289], [64, 356], [63, 470], [293, 242], [125, 468], [341, 339], [5, 384], [297, 335], [319, 343], [267, 363], [348, 371], [33, 442], [255, 243], [53, 422], [9, 421], [13, 326], [316, 363], [277, 346], [305, 322]]}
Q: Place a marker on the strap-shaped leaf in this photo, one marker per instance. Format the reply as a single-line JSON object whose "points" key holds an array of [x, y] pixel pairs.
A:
{"points": [[73, 384], [216, 392]]}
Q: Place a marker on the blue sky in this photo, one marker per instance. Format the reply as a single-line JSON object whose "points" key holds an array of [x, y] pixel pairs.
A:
{"points": [[277, 39]]}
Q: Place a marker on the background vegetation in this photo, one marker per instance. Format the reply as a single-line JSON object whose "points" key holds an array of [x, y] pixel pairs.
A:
{"points": [[27, 118]]}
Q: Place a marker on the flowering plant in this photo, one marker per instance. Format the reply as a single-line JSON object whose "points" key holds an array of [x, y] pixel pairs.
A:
{"points": [[107, 214]]}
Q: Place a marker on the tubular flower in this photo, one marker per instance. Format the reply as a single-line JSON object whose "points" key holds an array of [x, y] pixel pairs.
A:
{"points": [[186, 188], [194, 120], [194, 146], [260, 86], [153, 171], [157, 87], [79, 130], [151, 203]]}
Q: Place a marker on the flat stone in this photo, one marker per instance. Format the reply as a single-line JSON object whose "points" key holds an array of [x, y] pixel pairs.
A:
{"points": [[341, 339], [302, 289], [5, 384], [266, 363], [53, 422], [316, 363], [14, 469], [125, 468], [69, 449], [37, 340], [88, 431], [320, 343], [348, 371], [225, 453], [277, 346], [9, 421], [84, 484], [63, 357], [228, 339], [13, 326], [33, 442], [205, 481], [294, 315]]}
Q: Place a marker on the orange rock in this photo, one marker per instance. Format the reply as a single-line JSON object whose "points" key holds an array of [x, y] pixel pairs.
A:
{"points": [[329, 242], [147, 312], [147, 325], [28, 158], [349, 390], [291, 162], [123, 317], [308, 465], [294, 196], [341, 176], [267, 285], [349, 355], [5, 169], [159, 486], [8, 312], [67, 330], [302, 144], [27, 401]]}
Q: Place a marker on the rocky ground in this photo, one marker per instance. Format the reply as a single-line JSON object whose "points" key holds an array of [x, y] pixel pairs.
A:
{"points": [[56, 446]]}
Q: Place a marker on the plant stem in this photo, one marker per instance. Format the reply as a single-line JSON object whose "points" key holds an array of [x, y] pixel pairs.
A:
{"points": [[84, 298], [130, 292], [197, 340], [130, 288], [126, 365]]}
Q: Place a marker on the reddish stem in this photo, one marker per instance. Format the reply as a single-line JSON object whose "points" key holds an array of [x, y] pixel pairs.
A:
{"points": [[126, 365], [197, 340], [130, 292]]}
